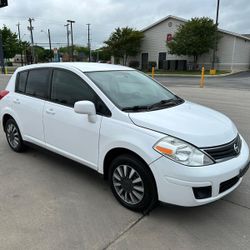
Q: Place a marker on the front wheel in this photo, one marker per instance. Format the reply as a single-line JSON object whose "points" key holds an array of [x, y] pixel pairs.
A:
{"points": [[132, 183]]}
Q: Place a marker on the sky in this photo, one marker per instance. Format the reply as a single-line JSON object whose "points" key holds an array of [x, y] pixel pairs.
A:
{"points": [[106, 15]]}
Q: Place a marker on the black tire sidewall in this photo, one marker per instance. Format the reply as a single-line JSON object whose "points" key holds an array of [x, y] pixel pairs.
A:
{"points": [[20, 146], [150, 194]]}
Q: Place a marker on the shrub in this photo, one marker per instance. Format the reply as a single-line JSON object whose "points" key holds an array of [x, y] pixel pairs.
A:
{"points": [[134, 64], [151, 64]]}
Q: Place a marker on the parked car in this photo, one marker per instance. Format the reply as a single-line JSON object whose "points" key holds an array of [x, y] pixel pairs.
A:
{"points": [[149, 143]]}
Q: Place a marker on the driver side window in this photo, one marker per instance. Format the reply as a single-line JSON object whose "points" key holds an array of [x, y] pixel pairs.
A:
{"points": [[68, 88]]}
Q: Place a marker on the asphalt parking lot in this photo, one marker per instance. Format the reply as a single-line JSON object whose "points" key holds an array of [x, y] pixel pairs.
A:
{"points": [[49, 202]]}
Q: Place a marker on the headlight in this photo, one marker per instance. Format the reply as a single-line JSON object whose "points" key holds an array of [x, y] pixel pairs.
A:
{"points": [[182, 152]]}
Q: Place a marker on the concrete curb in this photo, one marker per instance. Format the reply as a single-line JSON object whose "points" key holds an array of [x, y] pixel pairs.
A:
{"points": [[198, 76]]}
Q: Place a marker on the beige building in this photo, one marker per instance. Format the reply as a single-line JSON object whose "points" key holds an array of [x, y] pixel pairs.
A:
{"points": [[233, 49]]}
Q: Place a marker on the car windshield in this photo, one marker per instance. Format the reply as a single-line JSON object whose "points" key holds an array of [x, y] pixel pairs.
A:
{"points": [[133, 91]]}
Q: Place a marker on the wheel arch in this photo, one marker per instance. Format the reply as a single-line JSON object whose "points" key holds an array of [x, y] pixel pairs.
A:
{"points": [[115, 152]]}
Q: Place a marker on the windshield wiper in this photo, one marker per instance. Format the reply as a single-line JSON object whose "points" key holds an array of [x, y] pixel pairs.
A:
{"points": [[166, 103], [136, 108]]}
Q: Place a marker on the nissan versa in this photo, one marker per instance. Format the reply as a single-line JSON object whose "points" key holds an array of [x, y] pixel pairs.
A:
{"points": [[151, 144]]}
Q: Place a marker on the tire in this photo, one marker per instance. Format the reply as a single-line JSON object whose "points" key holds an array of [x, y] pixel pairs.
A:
{"points": [[13, 136], [132, 183]]}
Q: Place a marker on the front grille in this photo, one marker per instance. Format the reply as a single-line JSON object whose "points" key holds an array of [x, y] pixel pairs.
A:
{"points": [[224, 186], [226, 151]]}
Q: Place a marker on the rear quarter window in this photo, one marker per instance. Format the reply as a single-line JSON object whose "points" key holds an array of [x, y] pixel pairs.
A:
{"points": [[21, 81]]}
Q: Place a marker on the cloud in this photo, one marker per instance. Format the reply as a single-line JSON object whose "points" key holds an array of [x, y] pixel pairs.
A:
{"points": [[106, 15]]}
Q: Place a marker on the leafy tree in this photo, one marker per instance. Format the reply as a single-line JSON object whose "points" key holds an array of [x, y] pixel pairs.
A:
{"points": [[101, 54], [194, 38], [42, 55], [11, 44], [124, 42]]}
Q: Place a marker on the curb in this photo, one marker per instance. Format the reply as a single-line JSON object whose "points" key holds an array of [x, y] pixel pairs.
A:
{"points": [[198, 76]]}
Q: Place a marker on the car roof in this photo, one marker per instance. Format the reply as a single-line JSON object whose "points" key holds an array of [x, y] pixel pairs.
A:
{"points": [[82, 66]]}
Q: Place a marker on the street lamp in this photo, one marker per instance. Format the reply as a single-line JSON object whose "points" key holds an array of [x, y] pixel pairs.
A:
{"points": [[213, 71], [72, 42]]}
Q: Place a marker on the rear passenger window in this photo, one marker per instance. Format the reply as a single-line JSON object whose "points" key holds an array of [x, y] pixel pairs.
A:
{"points": [[38, 83], [21, 81]]}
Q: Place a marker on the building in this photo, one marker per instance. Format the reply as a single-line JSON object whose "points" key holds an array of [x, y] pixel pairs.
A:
{"points": [[233, 49]]}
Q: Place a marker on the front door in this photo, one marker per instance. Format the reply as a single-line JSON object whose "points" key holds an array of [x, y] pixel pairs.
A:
{"points": [[66, 131], [144, 61], [162, 58]]}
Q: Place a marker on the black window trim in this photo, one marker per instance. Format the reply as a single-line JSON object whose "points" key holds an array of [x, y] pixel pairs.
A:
{"points": [[108, 112], [48, 98], [29, 70]]}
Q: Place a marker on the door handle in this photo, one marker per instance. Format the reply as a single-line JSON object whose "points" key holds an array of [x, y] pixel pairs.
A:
{"points": [[50, 111], [16, 101]]}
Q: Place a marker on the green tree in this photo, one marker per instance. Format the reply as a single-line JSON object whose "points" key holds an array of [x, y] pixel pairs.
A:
{"points": [[43, 55], [11, 44], [194, 38], [124, 42], [101, 54]]}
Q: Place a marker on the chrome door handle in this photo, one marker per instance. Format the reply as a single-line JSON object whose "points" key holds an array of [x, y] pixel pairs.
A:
{"points": [[16, 101], [50, 111]]}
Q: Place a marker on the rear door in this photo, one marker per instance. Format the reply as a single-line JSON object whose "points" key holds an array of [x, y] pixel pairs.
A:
{"points": [[66, 131], [32, 89]]}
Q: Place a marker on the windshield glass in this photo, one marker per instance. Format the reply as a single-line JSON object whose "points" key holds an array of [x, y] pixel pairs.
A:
{"points": [[130, 88]]}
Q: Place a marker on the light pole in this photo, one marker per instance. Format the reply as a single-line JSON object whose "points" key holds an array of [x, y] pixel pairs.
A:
{"points": [[30, 28], [67, 34], [89, 44], [216, 36], [19, 38], [72, 42], [48, 34]]}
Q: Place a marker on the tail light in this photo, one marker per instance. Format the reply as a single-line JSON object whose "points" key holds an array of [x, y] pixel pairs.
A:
{"points": [[3, 93]]}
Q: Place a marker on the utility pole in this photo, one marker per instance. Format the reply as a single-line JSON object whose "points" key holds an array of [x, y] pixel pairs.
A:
{"points": [[19, 38], [67, 30], [30, 28], [216, 36], [89, 44], [72, 42], [50, 48]]}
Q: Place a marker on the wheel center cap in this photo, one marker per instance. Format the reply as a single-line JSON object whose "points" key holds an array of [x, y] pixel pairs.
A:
{"points": [[127, 184]]}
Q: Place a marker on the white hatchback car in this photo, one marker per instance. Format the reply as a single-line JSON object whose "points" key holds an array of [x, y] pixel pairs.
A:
{"points": [[151, 144]]}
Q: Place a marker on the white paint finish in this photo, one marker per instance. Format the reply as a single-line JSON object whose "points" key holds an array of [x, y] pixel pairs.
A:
{"points": [[59, 129], [189, 177], [72, 132], [193, 123], [29, 111]]}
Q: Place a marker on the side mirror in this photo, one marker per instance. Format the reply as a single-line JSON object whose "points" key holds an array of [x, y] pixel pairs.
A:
{"points": [[87, 108]]}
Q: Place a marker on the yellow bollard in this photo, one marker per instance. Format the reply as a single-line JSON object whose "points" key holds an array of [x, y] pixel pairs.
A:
{"points": [[202, 81], [153, 72], [6, 71]]}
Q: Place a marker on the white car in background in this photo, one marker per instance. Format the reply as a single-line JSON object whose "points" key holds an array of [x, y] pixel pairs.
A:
{"points": [[151, 144]]}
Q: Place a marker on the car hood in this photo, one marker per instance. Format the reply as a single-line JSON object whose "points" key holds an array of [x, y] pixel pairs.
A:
{"points": [[191, 122]]}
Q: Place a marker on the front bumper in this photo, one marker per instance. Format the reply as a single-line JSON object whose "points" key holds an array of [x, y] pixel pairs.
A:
{"points": [[194, 186]]}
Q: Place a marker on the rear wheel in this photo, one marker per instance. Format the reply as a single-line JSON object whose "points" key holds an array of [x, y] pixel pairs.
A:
{"points": [[132, 183], [13, 136]]}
